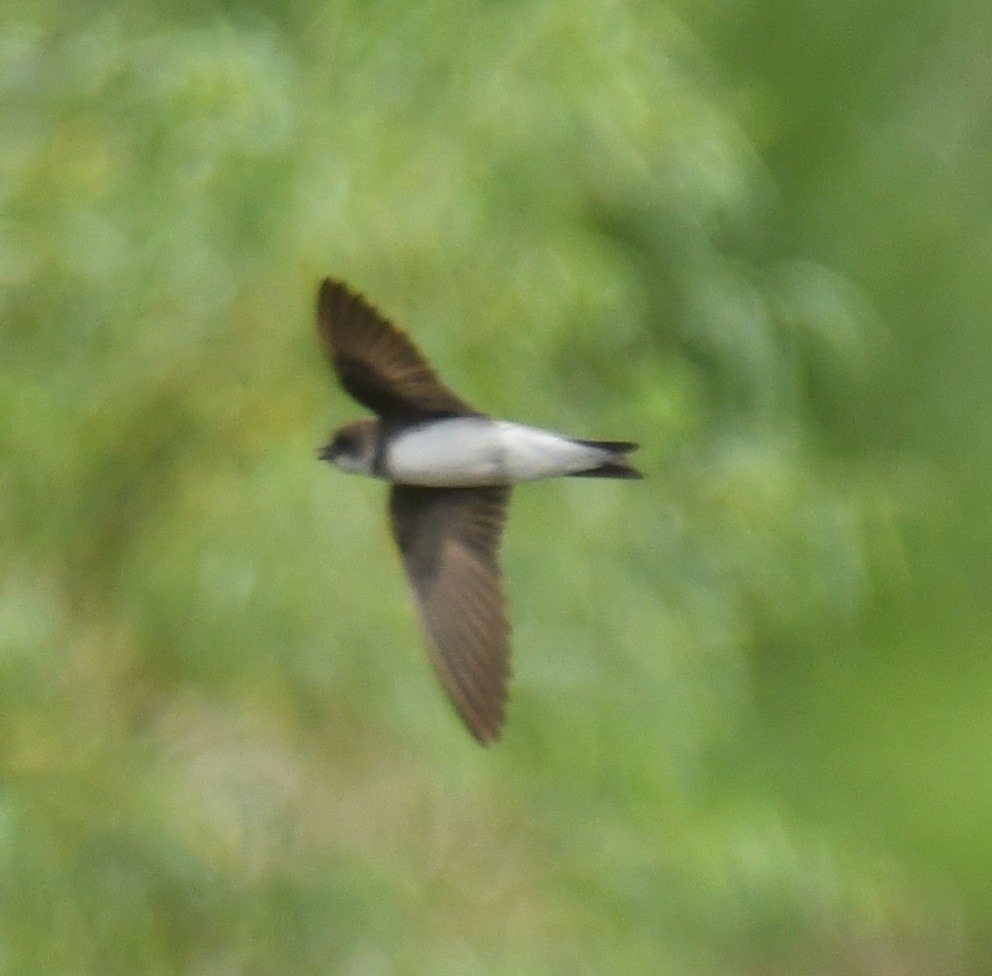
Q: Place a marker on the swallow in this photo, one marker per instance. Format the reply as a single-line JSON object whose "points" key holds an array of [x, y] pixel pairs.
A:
{"points": [[450, 468]]}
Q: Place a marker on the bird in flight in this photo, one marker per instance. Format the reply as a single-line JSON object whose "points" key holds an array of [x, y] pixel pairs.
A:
{"points": [[450, 469]]}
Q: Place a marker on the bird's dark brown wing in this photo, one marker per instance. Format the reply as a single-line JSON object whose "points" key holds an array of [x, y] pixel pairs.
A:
{"points": [[376, 363], [449, 541]]}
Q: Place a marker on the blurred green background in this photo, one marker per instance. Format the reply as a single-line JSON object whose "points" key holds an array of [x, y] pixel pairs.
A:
{"points": [[751, 719]]}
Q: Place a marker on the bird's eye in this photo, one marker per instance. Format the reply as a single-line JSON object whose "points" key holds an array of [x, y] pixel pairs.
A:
{"points": [[344, 444]]}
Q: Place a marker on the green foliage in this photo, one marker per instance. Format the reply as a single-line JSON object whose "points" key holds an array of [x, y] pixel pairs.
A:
{"points": [[746, 694]]}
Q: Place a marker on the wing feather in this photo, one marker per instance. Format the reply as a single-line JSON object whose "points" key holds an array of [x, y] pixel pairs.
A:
{"points": [[449, 541], [377, 363]]}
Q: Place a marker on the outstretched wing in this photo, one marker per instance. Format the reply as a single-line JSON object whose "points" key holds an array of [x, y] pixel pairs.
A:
{"points": [[449, 541], [376, 363]]}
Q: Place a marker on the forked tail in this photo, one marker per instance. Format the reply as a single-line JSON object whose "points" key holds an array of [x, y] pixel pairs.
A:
{"points": [[615, 463]]}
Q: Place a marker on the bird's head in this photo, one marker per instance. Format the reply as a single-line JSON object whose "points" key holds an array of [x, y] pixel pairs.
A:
{"points": [[352, 448]]}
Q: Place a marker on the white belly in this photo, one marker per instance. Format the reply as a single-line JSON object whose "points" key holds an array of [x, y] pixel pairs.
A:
{"points": [[474, 451]]}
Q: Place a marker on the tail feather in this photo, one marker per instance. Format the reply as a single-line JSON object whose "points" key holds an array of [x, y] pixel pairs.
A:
{"points": [[614, 466], [617, 447]]}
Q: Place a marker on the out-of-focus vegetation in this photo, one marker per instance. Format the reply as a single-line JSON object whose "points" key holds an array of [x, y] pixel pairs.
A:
{"points": [[750, 728]]}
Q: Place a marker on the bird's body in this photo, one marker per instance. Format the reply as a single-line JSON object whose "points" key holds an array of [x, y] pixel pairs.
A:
{"points": [[473, 452], [476, 452], [450, 468]]}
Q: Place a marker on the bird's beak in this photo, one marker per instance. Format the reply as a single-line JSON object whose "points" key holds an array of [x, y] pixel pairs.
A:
{"points": [[325, 453]]}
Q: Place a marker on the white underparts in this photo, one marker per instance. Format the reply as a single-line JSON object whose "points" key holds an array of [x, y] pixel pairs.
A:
{"points": [[476, 451]]}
